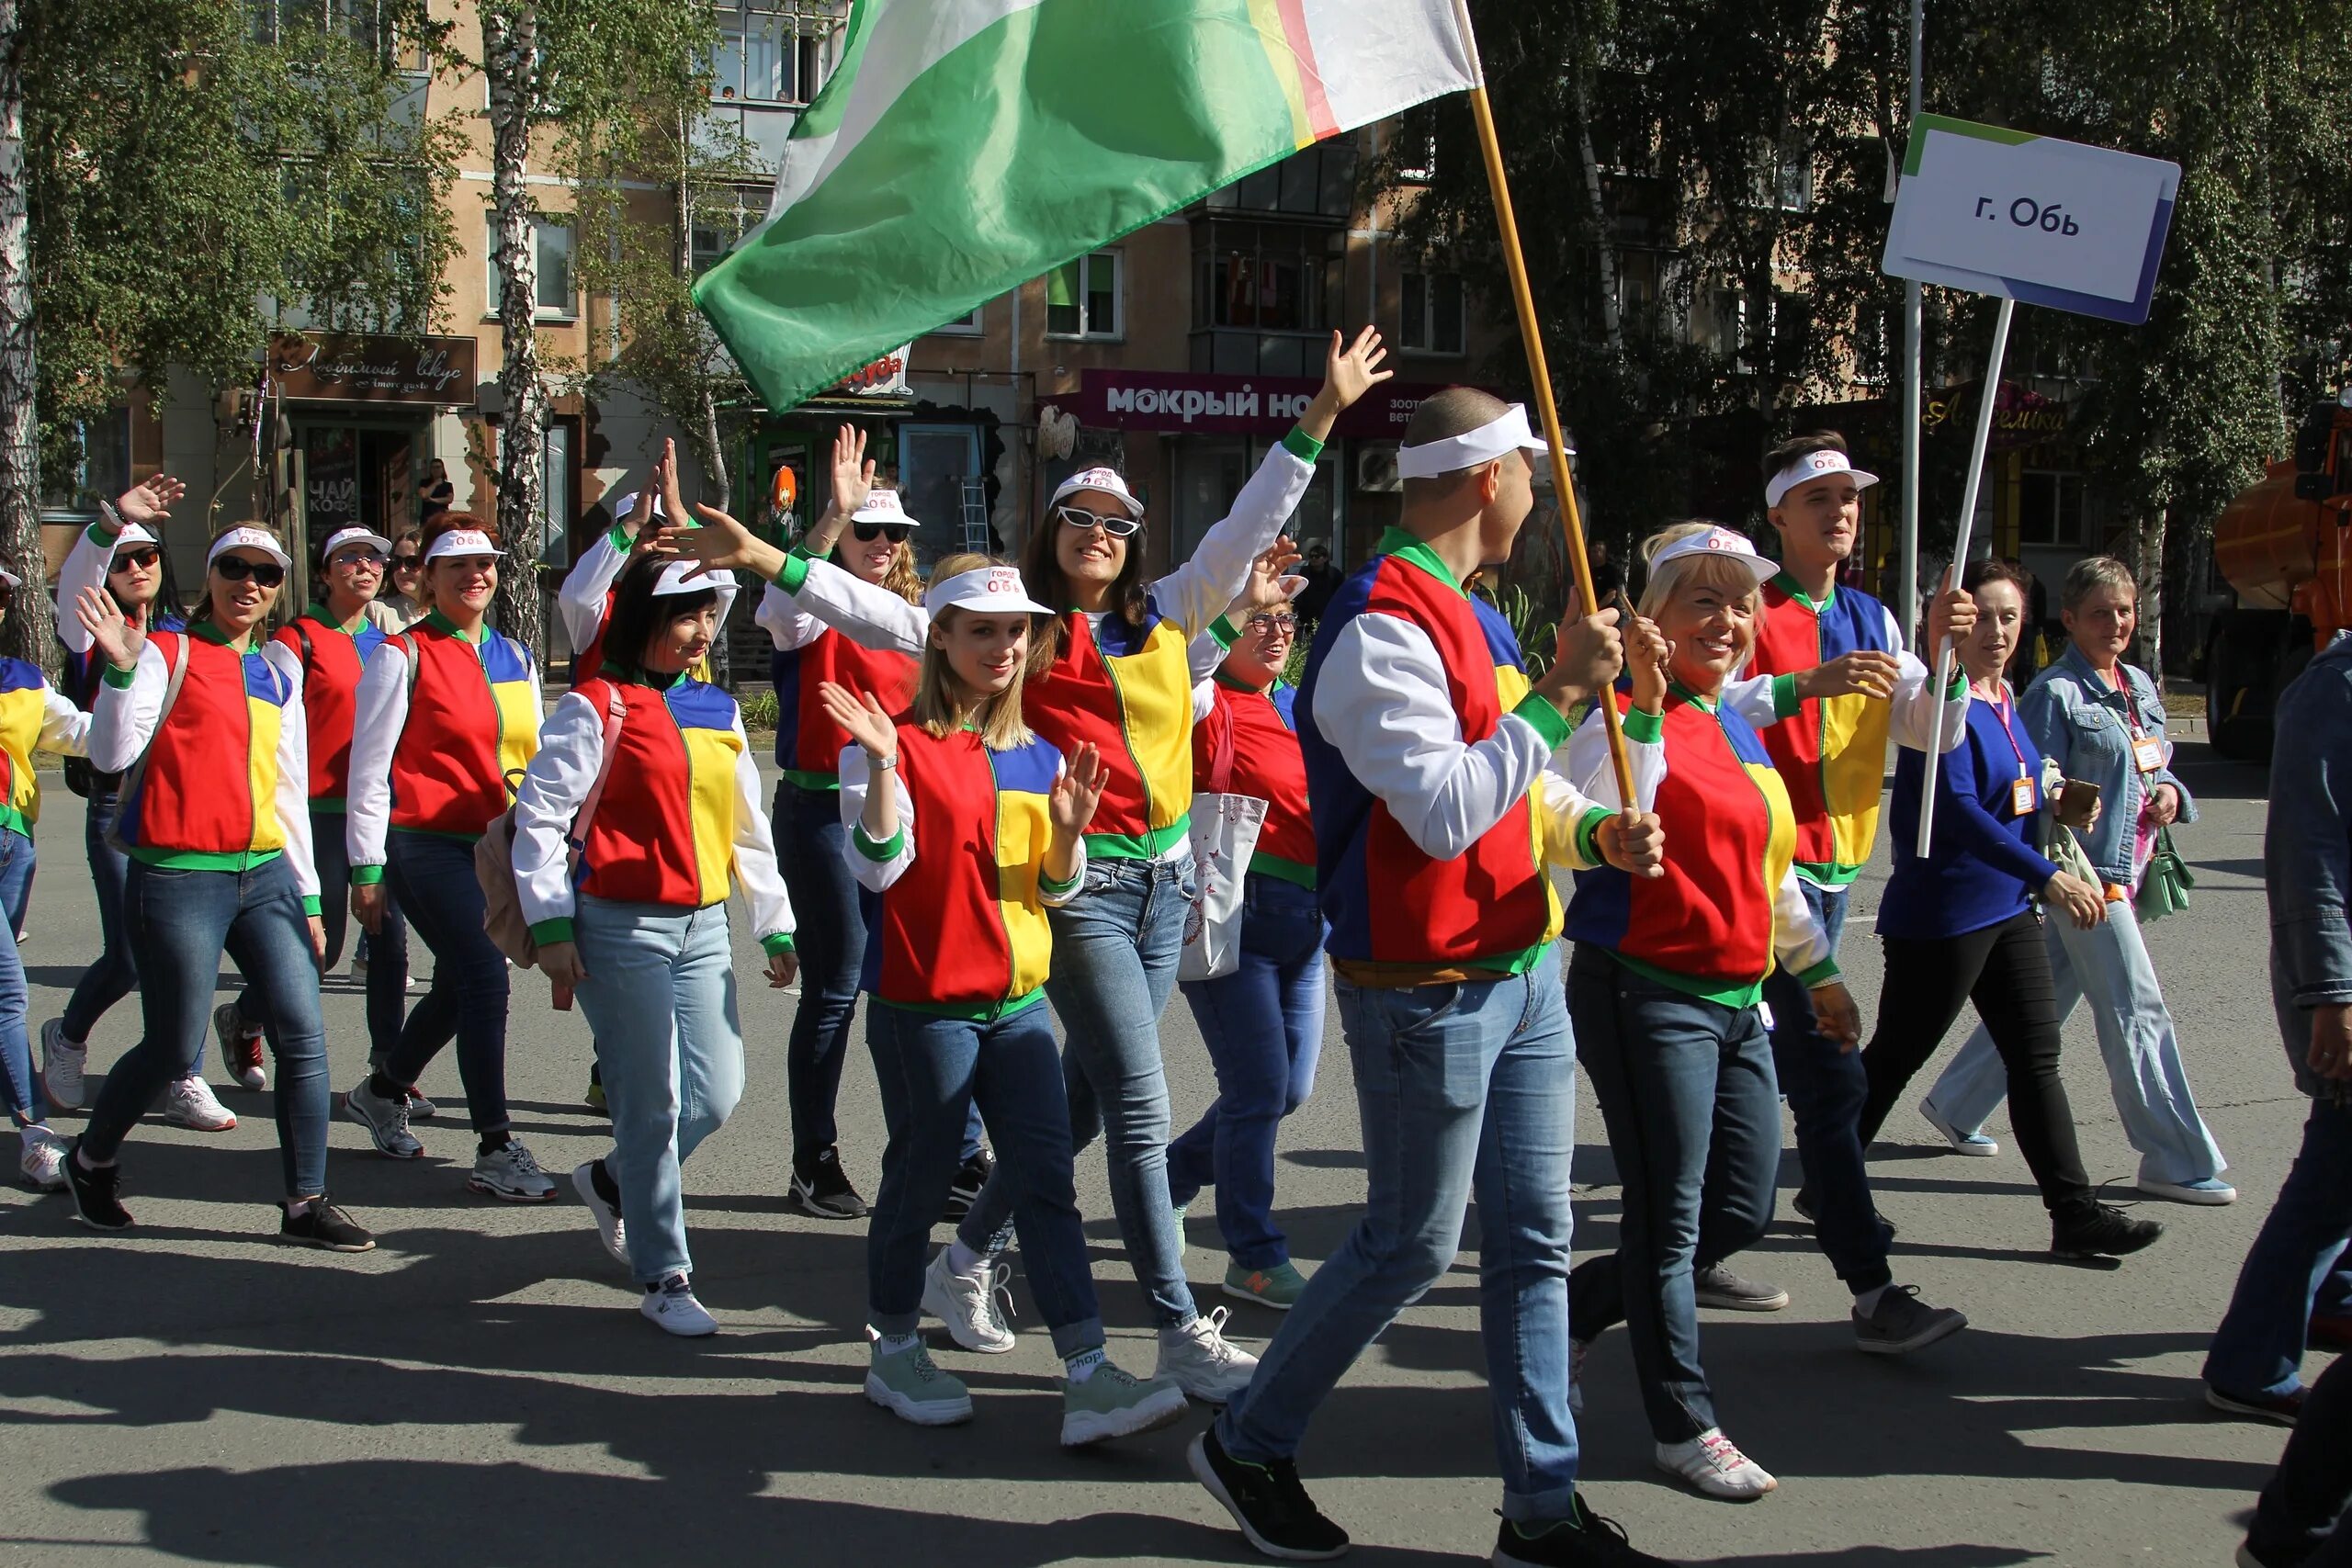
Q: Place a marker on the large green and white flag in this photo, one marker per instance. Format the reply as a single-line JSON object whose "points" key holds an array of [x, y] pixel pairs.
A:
{"points": [[965, 146]]}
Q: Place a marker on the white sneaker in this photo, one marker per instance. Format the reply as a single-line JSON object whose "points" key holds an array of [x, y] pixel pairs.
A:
{"points": [[189, 1102], [1712, 1464], [672, 1306], [43, 1160], [608, 1219], [1197, 1358], [967, 1304], [61, 1064], [510, 1172], [386, 1121]]}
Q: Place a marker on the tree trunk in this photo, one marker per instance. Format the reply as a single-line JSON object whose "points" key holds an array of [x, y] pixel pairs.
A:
{"points": [[27, 631], [1604, 239], [510, 51], [2150, 570]]}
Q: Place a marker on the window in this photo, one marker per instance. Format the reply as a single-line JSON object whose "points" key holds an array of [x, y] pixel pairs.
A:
{"points": [[101, 470], [763, 56], [554, 241], [555, 494], [1279, 277], [1782, 176], [2049, 508], [721, 220], [966, 325], [1316, 182], [1433, 321], [1417, 157], [1083, 298]]}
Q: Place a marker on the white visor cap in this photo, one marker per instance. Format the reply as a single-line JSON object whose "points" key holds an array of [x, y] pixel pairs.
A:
{"points": [[1812, 466], [342, 537], [883, 506], [689, 577], [1508, 433], [985, 589], [1721, 543], [462, 542], [260, 539]]}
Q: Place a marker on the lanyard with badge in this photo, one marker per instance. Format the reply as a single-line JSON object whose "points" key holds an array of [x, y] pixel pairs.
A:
{"points": [[2147, 750], [2023, 801]]}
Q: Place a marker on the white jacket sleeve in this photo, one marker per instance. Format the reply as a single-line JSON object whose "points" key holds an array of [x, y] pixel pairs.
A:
{"points": [[123, 715], [1762, 700], [379, 712], [581, 601], [787, 624], [755, 867], [1381, 700], [1587, 764], [869, 615], [1198, 591], [86, 567], [572, 750], [1798, 939], [294, 784], [874, 865], [64, 728], [1917, 710]]}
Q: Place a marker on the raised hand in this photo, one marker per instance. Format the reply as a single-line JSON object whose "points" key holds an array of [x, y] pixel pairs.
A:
{"points": [[1078, 792], [1265, 589], [150, 501], [721, 544], [1589, 654], [673, 499], [1349, 370], [109, 633], [852, 470], [862, 717], [1647, 656]]}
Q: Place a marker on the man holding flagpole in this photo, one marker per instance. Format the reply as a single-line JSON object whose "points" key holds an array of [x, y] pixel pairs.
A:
{"points": [[1436, 816]]}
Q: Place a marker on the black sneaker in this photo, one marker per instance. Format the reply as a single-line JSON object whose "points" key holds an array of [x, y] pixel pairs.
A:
{"points": [[97, 1194], [821, 1189], [1808, 1211], [1901, 1323], [324, 1226], [2100, 1231], [970, 1177], [1267, 1501], [1584, 1539]]}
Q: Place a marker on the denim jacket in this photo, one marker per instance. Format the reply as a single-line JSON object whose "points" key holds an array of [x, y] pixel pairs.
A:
{"points": [[2307, 848], [2080, 723]]}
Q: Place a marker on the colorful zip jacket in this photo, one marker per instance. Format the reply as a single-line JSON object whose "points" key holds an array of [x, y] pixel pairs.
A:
{"points": [[680, 822], [1832, 752], [1435, 815], [327, 661], [810, 649], [85, 566], [1126, 686], [441, 723], [957, 927], [33, 717], [1729, 903], [586, 601], [226, 785], [1262, 728]]}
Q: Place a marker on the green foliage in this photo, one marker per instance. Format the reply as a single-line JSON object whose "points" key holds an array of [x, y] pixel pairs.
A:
{"points": [[760, 709], [1534, 623]]}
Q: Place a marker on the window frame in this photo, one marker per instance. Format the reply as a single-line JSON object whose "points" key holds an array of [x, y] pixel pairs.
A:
{"points": [[1426, 344], [1118, 291], [493, 290]]}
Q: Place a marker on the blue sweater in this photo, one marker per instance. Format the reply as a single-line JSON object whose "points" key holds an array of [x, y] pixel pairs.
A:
{"points": [[1982, 863]]}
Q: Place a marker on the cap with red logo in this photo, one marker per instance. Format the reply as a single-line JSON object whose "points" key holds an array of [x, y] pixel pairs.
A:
{"points": [[995, 587], [1812, 466], [1717, 542]]}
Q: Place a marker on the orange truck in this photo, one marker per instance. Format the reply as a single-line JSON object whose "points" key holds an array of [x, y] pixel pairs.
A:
{"points": [[2285, 546]]}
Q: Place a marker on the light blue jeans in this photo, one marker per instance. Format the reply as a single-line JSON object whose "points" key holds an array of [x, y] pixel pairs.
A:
{"points": [[17, 1076], [1113, 970], [1462, 1090], [2108, 965], [659, 996]]}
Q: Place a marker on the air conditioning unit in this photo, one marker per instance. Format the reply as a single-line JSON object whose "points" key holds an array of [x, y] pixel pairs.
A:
{"points": [[1377, 469]]}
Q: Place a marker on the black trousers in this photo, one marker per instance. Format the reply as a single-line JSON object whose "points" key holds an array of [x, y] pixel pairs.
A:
{"points": [[2005, 970], [2298, 1518]]}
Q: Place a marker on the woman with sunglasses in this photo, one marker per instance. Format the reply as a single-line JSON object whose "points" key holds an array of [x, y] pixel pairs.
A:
{"points": [[1263, 1022], [1113, 671], [446, 713], [216, 819], [395, 608], [121, 554], [322, 651]]}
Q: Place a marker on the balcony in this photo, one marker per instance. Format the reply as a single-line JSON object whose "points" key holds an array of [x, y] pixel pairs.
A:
{"points": [[1245, 351]]}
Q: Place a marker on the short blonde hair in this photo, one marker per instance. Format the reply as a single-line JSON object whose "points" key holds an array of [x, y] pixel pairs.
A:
{"points": [[938, 707], [2090, 574], [1717, 571]]}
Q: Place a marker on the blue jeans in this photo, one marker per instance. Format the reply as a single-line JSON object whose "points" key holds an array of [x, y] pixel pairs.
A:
{"points": [[1686, 1090], [2110, 965], [179, 923], [114, 973], [2295, 1264], [932, 1070], [16, 1075], [1461, 1088], [433, 879], [1827, 1086], [659, 996], [1114, 965], [1263, 1024], [2302, 1516], [388, 962]]}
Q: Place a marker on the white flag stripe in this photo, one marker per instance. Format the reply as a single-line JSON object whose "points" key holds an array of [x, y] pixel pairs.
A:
{"points": [[1378, 57]]}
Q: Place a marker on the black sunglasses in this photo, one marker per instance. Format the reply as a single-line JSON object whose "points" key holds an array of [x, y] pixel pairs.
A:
{"points": [[1118, 528], [236, 568], [1281, 621], [145, 557], [896, 533], [404, 560]]}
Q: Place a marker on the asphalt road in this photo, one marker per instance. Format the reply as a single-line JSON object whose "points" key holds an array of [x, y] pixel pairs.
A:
{"points": [[481, 1390]]}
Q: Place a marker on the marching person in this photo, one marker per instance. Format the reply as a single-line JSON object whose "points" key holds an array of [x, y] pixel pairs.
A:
{"points": [[1113, 672], [215, 821], [33, 717], [639, 928], [1830, 683], [967, 827], [121, 554], [1959, 927], [1435, 818], [323, 652], [446, 712], [586, 600], [2102, 721], [1664, 991], [1263, 1022]]}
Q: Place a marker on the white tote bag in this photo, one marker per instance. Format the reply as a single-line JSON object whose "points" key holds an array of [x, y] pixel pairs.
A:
{"points": [[1225, 836]]}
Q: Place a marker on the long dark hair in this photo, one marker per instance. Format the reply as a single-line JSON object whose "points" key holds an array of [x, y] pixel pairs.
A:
{"points": [[638, 613], [1041, 570]]}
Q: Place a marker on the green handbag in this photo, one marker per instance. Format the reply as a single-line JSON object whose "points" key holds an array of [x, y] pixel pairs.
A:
{"points": [[2164, 889]]}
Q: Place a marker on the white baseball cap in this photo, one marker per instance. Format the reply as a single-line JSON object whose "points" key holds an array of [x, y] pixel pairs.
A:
{"points": [[1508, 432], [462, 542], [1108, 481], [992, 587], [883, 506], [692, 577], [342, 537], [131, 536], [1812, 466], [10, 578], [1721, 543], [248, 538]]}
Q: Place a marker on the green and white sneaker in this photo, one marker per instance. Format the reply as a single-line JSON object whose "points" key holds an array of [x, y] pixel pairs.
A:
{"points": [[1111, 1404], [1278, 1287], [905, 1383]]}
